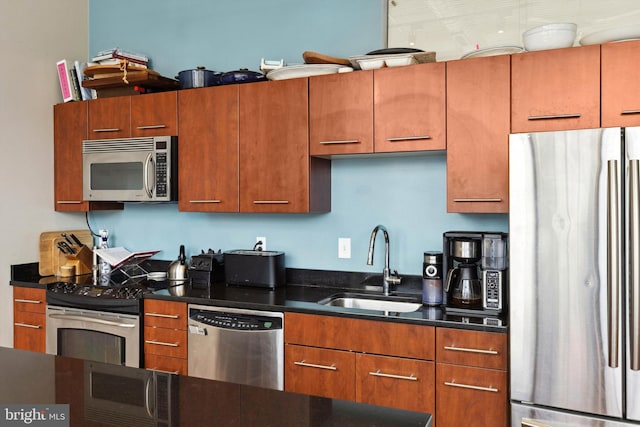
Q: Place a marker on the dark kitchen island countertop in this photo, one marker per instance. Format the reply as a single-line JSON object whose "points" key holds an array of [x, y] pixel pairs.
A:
{"points": [[31, 378]]}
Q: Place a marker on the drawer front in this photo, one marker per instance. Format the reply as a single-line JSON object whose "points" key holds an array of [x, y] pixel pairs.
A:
{"points": [[29, 331], [367, 336], [470, 396], [29, 299], [165, 314], [174, 365], [165, 342], [471, 348], [319, 372], [395, 382]]}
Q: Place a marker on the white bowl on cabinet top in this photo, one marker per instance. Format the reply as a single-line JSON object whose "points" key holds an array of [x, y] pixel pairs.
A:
{"points": [[550, 36]]}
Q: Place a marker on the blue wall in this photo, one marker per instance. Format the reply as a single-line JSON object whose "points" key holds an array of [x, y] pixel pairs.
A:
{"points": [[406, 194]]}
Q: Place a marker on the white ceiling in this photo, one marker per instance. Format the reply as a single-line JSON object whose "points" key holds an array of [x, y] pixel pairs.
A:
{"points": [[452, 28]]}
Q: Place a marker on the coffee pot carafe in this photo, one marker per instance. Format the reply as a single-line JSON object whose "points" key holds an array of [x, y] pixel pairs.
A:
{"points": [[464, 287]]}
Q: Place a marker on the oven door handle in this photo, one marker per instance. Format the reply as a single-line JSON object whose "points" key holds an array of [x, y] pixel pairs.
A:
{"points": [[92, 320]]}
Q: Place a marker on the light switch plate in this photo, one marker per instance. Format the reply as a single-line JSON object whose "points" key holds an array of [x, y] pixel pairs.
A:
{"points": [[344, 247]]}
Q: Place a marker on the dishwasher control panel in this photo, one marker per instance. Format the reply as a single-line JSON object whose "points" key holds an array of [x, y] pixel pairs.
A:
{"points": [[235, 321]]}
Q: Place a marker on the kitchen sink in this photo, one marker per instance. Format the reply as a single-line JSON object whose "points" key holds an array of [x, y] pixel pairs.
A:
{"points": [[372, 302]]}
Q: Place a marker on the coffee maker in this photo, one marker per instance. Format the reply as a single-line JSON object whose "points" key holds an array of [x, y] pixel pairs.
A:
{"points": [[475, 272]]}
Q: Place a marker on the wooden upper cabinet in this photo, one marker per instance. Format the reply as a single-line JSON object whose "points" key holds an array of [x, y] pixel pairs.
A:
{"points": [[478, 124], [69, 130], [154, 114], [620, 84], [341, 113], [556, 89], [409, 108], [110, 117], [276, 173], [208, 149]]}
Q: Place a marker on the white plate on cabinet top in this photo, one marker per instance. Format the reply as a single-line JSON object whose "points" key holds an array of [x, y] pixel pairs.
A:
{"points": [[492, 51], [631, 32], [306, 70]]}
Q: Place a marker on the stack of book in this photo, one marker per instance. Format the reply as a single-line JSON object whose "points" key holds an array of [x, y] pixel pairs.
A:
{"points": [[116, 56], [70, 76]]}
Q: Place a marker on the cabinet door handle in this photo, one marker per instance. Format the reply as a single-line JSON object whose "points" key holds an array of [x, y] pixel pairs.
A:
{"points": [[469, 386], [167, 316], [28, 301], [470, 350], [313, 365], [397, 377], [556, 116], [163, 371], [408, 138], [151, 127], [630, 112], [478, 199], [166, 344], [343, 141], [69, 202], [270, 202], [26, 325], [205, 201], [107, 130]]}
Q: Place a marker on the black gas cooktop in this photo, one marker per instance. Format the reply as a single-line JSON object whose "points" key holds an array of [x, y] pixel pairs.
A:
{"points": [[121, 298]]}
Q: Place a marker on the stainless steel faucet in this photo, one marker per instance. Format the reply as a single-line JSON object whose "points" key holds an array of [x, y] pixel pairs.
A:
{"points": [[388, 279]]}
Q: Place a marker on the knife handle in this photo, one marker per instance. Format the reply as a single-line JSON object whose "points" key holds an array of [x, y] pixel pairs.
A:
{"points": [[75, 239]]}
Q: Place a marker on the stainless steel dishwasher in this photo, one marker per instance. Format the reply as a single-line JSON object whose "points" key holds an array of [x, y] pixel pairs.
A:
{"points": [[236, 345]]}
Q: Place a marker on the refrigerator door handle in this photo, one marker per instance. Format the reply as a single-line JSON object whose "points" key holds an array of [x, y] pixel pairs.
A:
{"points": [[634, 259], [527, 422], [613, 261]]}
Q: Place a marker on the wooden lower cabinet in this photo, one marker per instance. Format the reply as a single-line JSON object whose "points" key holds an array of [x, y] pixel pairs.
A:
{"points": [[29, 319], [165, 336], [397, 382], [468, 396], [320, 372]]}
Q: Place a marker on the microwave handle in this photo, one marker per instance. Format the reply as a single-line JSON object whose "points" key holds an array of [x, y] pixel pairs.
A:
{"points": [[148, 163]]}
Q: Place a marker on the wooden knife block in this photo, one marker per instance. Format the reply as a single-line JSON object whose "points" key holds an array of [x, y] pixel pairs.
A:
{"points": [[82, 260]]}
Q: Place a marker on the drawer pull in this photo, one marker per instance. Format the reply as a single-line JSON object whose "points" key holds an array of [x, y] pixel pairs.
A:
{"points": [[313, 365], [205, 201], [471, 350], [69, 202], [166, 344], [28, 301], [408, 138], [397, 377], [344, 141], [556, 116], [630, 112], [166, 316], [107, 130], [477, 199], [26, 325], [526, 422], [151, 127], [270, 202], [472, 387]]}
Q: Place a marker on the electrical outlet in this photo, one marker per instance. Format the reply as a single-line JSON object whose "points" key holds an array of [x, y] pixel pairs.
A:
{"points": [[261, 243], [344, 247]]}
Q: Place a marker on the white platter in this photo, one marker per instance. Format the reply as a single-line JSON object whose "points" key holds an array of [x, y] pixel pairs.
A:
{"points": [[631, 32], [306, 70], [492, 51]]}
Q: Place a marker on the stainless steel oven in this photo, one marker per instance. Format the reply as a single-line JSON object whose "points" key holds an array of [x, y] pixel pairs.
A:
{"points": [[94, 335]]}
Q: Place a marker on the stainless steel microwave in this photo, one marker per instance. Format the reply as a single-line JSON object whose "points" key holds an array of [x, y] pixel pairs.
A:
{"points": [[130, 169]]}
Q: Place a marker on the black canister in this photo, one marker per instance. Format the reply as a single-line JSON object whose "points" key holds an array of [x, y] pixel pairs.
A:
{"points": [[432, 278]]}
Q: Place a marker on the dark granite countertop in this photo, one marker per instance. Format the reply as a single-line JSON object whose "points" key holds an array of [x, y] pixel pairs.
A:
{"points": [[31, 378], [301, 294]]}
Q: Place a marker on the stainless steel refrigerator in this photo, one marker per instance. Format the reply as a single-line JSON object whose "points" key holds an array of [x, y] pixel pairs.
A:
{"points": [[574, 228]]}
